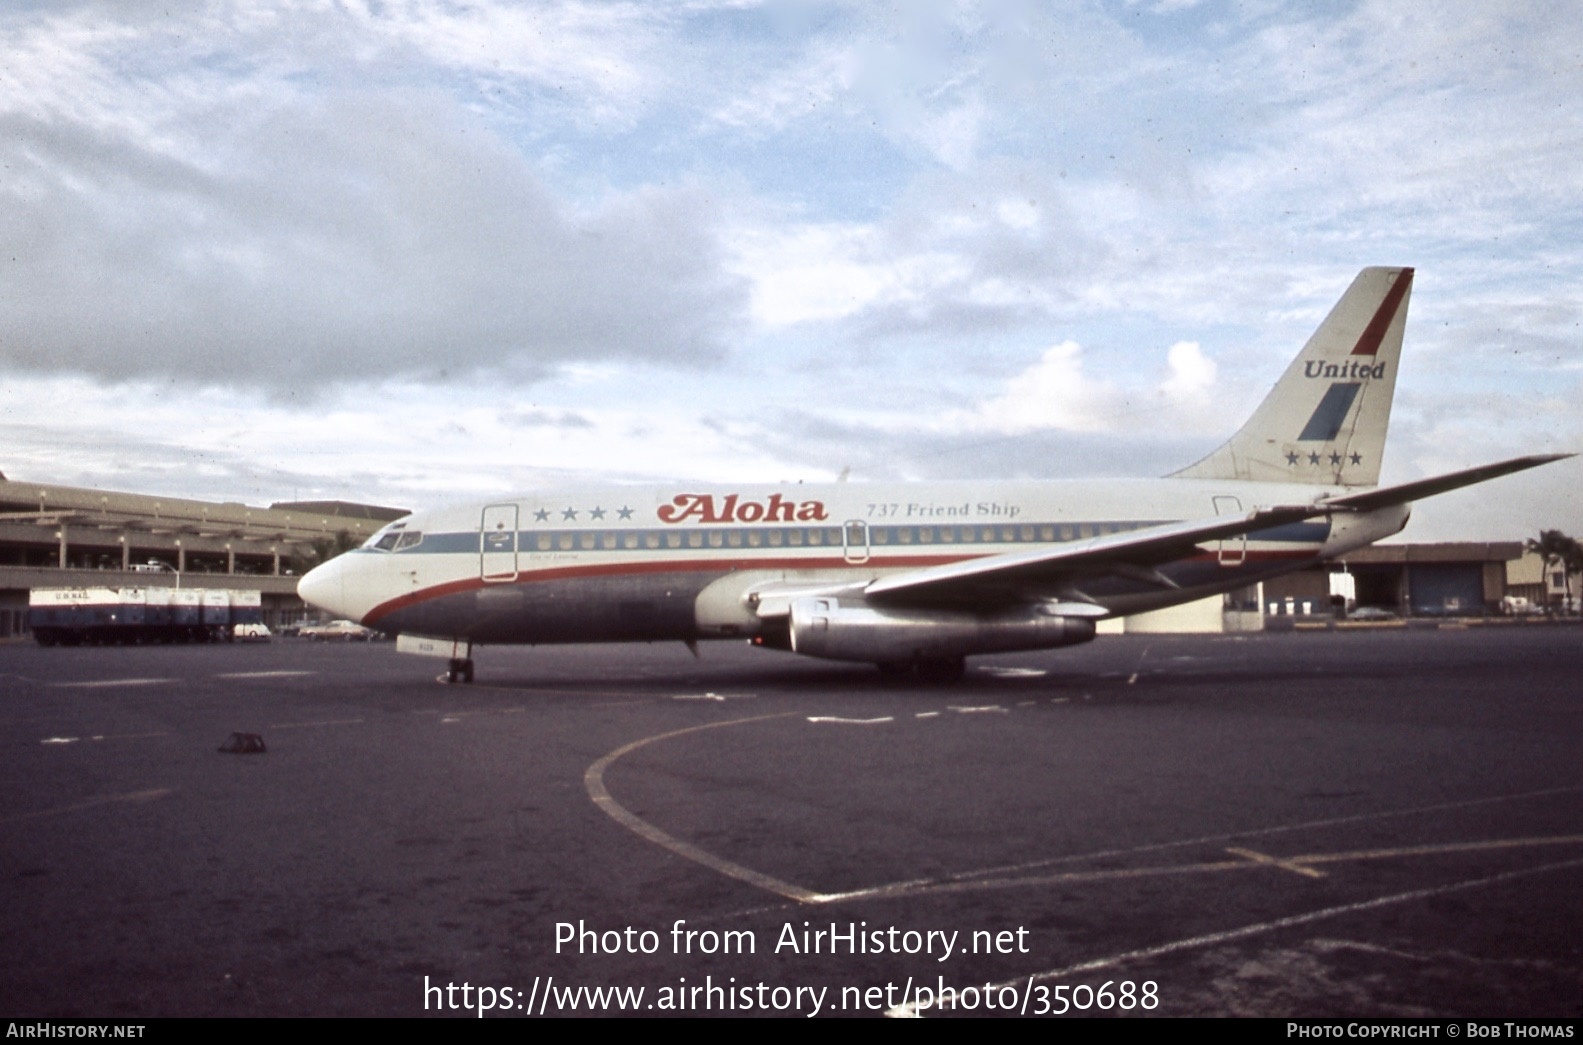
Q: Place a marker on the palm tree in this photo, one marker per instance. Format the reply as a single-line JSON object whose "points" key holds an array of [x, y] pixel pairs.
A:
{"points": [[1572, 562], [1555, 547]]}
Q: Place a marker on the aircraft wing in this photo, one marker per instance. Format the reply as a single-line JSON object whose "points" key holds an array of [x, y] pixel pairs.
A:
{"points": [[1138, 553], [1135, 553], [1386, 496]]}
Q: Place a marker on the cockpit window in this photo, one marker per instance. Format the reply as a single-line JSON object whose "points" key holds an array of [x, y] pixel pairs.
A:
{"points": [[410, 539], [386, 540]]}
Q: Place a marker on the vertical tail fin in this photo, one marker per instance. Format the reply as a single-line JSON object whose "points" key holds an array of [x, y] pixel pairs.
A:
{"points": [[1324, 421]]}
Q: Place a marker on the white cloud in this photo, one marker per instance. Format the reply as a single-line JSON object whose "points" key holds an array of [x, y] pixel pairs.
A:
{"points": [[1052, 393], [1192, 373]]}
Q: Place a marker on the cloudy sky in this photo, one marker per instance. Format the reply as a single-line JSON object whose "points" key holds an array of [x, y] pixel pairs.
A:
{"points": [[406, 252]]}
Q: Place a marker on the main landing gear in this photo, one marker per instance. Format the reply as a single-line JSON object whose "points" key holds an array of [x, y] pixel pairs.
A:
{"points": [[459, 669]]}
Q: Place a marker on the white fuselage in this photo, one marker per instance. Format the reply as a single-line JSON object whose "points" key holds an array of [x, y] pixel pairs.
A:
{"points": [[679, 561]]}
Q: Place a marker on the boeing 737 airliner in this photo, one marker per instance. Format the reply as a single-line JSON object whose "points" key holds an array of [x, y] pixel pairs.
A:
{"points": [[914, 578]]}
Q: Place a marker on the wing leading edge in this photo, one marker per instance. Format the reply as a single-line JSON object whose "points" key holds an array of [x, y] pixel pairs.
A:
{"points": [[1139, 553]]}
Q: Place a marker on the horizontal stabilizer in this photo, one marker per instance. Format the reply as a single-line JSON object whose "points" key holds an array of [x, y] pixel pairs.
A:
{"points": [[1387, 496]]}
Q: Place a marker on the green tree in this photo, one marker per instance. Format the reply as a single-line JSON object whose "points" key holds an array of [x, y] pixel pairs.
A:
{"points": [[323, 550]]}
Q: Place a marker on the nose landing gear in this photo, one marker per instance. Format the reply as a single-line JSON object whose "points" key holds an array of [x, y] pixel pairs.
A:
{"points": [[459, 669]]}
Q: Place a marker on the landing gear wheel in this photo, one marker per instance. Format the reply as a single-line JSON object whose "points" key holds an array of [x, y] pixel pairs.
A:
{"points": [[459, 669]]}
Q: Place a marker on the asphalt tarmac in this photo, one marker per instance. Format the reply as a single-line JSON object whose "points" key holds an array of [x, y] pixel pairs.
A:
{"points": [[1375, 823]]}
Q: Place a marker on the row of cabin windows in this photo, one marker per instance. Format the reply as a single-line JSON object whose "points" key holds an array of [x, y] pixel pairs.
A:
{"points": [[817, 536]]}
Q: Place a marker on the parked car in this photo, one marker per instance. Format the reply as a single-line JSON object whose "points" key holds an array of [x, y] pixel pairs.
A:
{"points": [[337, 631], [251, 633]]}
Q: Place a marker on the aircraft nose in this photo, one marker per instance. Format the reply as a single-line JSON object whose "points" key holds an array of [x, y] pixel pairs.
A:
{"points": [[324, 586]]}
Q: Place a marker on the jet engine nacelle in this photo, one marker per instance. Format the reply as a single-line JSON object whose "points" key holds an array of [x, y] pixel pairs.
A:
{"points": [[855, 629]]}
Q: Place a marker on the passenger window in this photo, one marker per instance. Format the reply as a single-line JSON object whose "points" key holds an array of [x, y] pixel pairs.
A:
{"points": [[794, 537], [716, 538], [925, 535], [607, 540], [755, 538], [947, 534], [629, 540], [816, 536], [695, 540], [587, 541], [734, 538], [673, 540], [544, 542], [565, 542], [1047, 533], [777, 537], [651, 540]]}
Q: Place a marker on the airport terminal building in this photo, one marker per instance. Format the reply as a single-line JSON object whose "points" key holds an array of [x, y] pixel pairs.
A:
{"points": [[64, 536]]}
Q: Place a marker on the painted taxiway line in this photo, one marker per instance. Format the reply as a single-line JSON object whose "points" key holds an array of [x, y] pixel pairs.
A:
{"points": [[1258, 929], [312, 725], [594, 784], [103, 683], [263, 674], [102, 736], [1264, 832]]}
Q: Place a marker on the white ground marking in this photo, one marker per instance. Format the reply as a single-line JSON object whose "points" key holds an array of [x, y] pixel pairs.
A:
{"points": [[963, 709], [850, 721], [263, 674], [1260, 929], [101, 683], [1262, 832], [102, 736], [1009, 878], [312, 725], [594, 784], [1272, 861]]}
